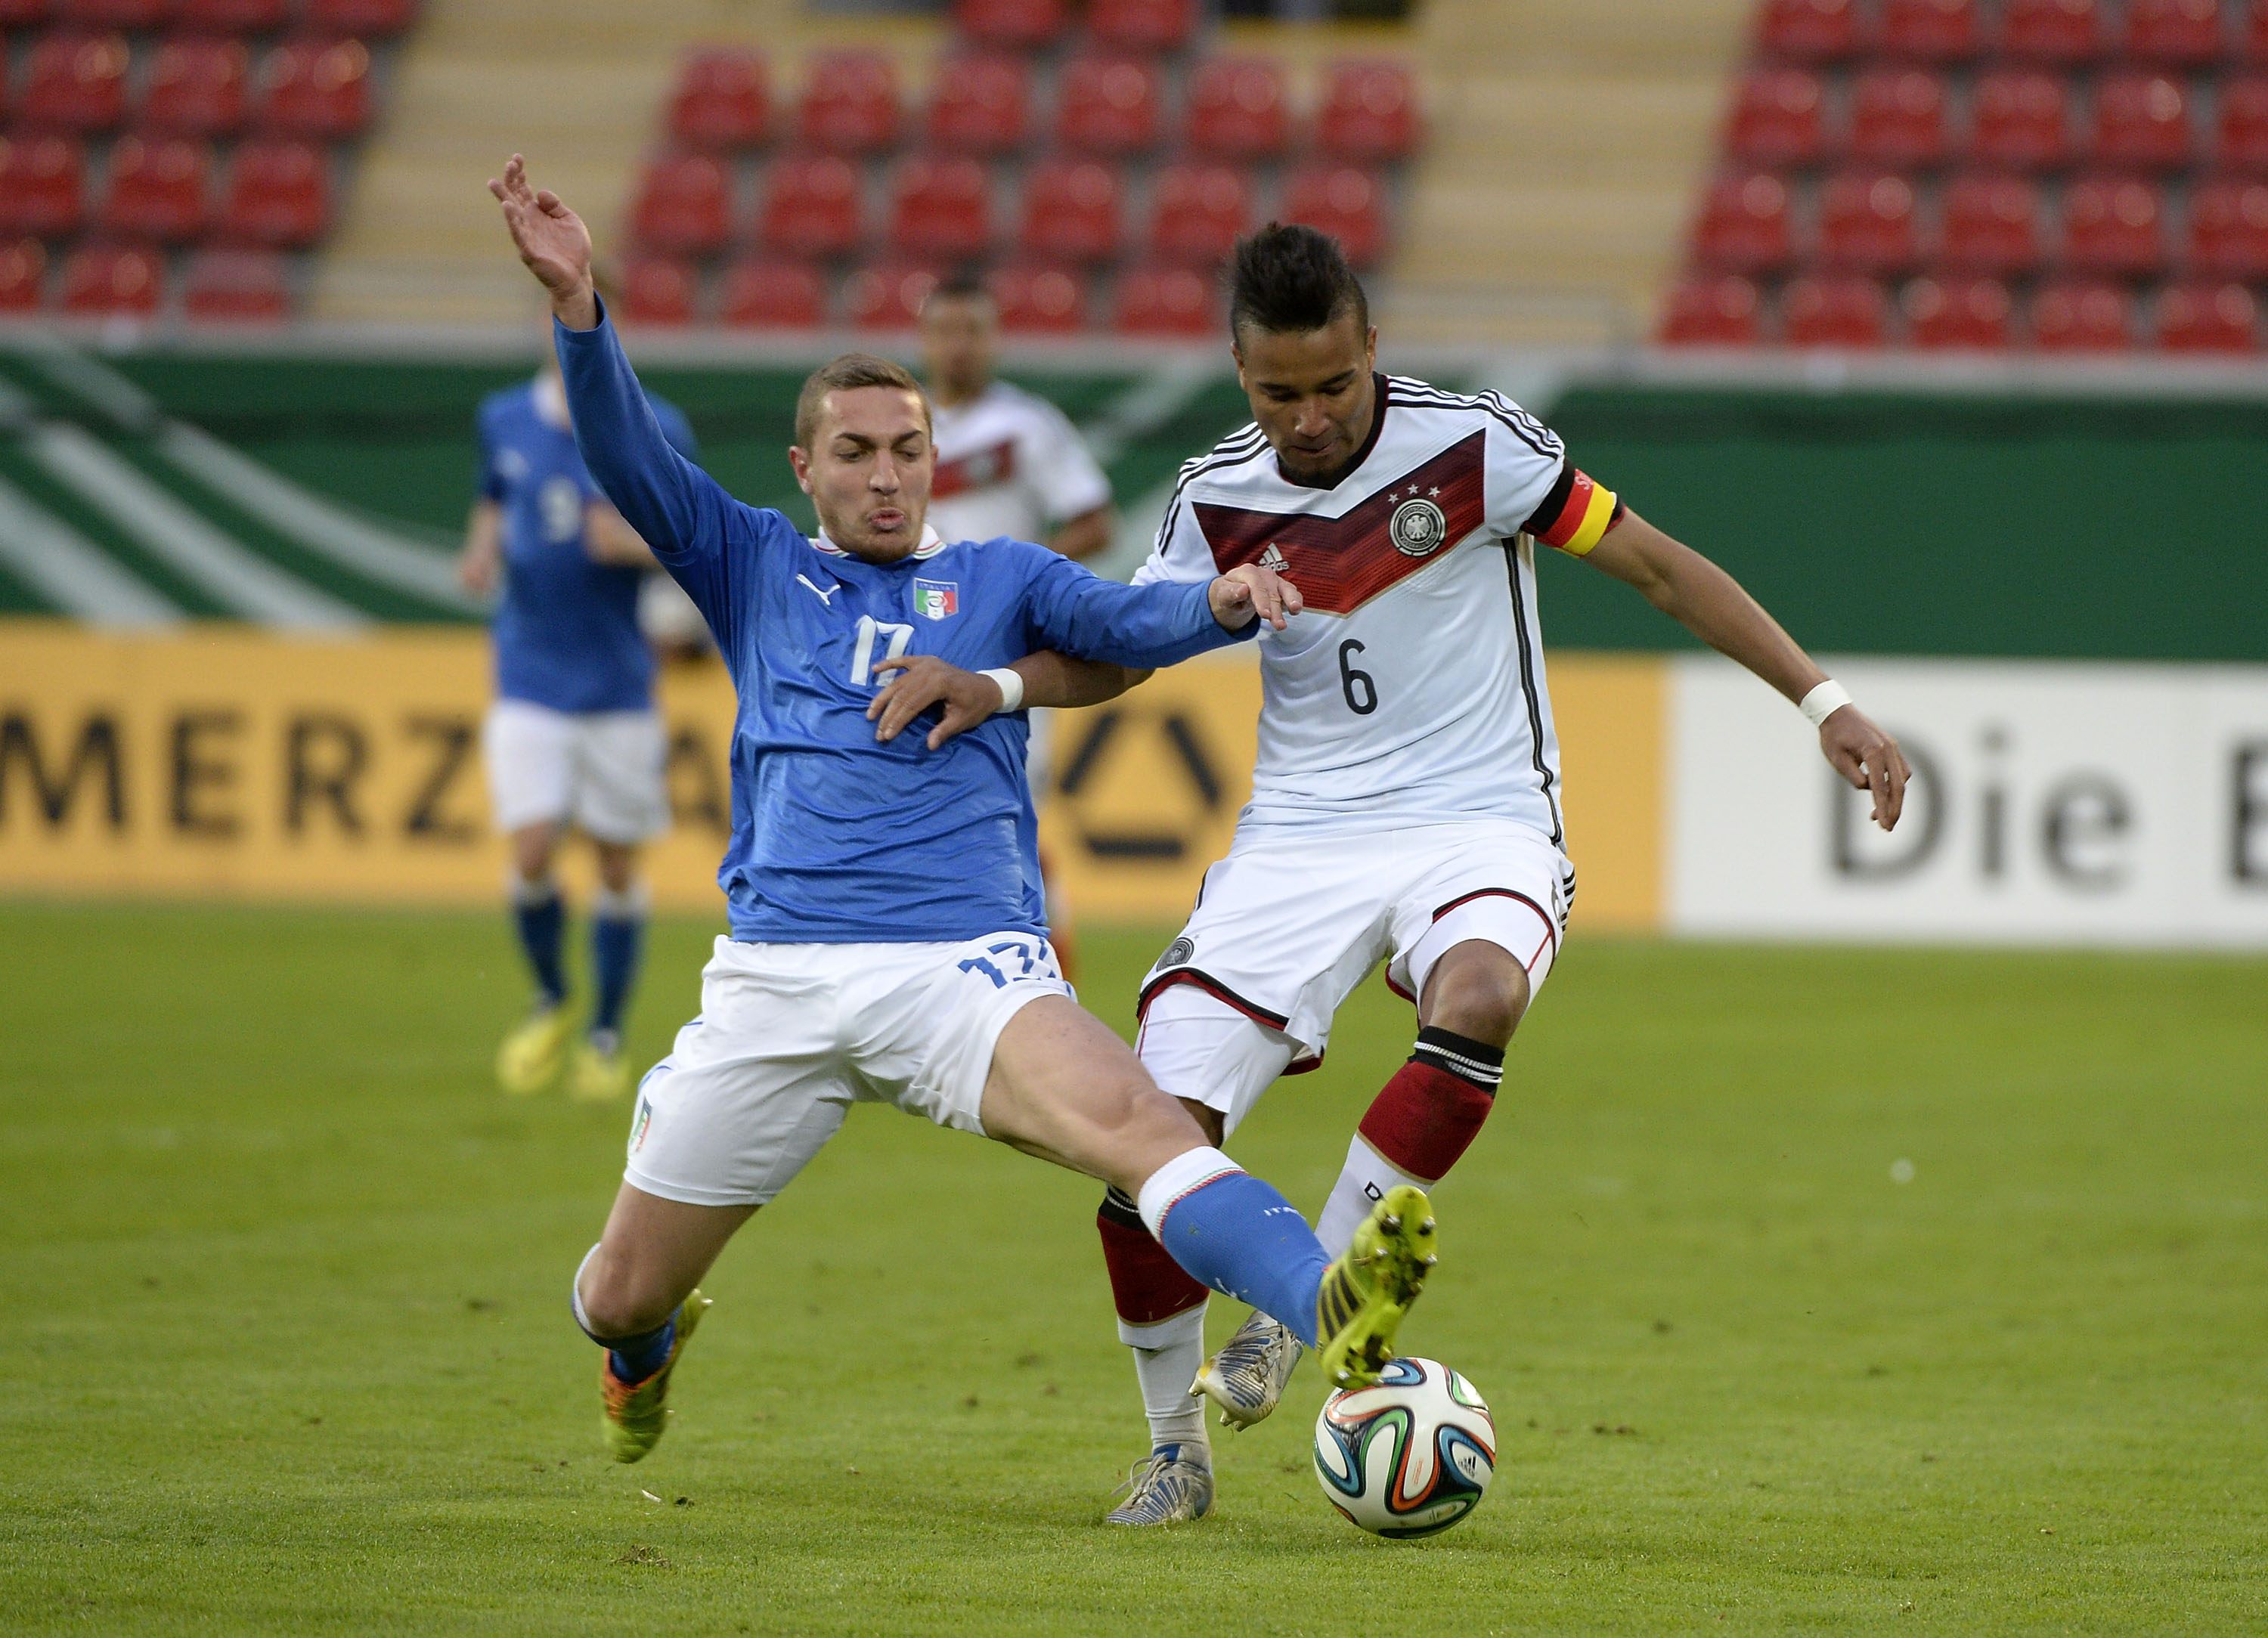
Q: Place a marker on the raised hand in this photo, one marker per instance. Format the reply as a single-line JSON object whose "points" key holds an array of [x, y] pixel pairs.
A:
{"points": [[552, 241], [1247, 589]]}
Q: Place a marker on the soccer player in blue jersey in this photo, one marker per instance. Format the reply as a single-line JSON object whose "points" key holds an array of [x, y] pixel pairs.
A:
{"points": [[886, 942], [572, 738]]}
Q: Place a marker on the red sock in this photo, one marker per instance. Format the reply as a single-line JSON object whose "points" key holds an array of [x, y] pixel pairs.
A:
{"points": [[1146, 1284], [1423, 1120]]}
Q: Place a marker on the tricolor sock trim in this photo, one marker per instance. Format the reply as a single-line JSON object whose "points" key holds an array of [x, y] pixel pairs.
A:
{"points": [[1460, 1055], [1234, 1233], [541, 924], [1146, 1285]]}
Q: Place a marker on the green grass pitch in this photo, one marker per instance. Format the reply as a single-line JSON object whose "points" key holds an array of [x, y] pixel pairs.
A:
{"points": [[287, 1347]]}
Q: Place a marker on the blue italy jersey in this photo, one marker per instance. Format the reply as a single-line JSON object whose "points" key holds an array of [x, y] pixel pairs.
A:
{"points": [[566, 628], [836, 839]]}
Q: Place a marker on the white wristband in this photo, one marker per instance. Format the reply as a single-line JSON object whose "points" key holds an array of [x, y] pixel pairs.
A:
{"points": [[1824, 701], [1012, 686]]}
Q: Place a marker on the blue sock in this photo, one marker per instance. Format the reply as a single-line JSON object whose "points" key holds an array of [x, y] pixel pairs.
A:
{"points": [[615, 941], [634, 1359], [542, 923], [1236, 1234]]}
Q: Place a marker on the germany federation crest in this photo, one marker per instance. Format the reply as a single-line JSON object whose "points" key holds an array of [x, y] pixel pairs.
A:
{"points": [[935, 599], [1418, 528]]}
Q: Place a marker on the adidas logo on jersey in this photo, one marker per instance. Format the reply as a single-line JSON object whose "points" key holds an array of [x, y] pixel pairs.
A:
{"points": [[1273, 559]]}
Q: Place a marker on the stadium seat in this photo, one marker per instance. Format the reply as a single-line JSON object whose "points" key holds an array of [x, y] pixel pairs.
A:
{"points": [[310, 89], [762, 293], [2061, 31], [1198, 213], [1928, 31], [158, 190], [1369, 112], [2208, 319], [659, 289], [1109, 105], [196, 88], [811, 206], [369, 19], [2252, 37], [2021, 119], [2241, 126], [1867, 222], [278, 195], [1160, 26], [23, 274], [2180, 34], [1016, 24], [1898, 118], [1957, 312], [113, 279], [2228, 228], [1832, 313], [2141, 122], [1711, 312], [1238, 109], [983, 104], [1071, 211], [1037, 298], [42, 185], [133, 15], [1744, 225], [232, 16], [1165, 301], [77, 82], [1343, 202], [2082, 316], [888, 295], [1810, 31], [1990, 224], [2113, 225], [1779, 117], [723, 100], [851, 102], [940, 207], [236, 287], [684, 205]]}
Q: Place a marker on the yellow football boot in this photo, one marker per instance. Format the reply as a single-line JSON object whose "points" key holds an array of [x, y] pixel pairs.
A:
{"points": [[637, 1412], [1368, 1289], [600, 1074], [530, 1057]]}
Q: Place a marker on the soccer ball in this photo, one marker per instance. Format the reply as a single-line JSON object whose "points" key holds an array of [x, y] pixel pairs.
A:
{"points": [[1408, 1456]]}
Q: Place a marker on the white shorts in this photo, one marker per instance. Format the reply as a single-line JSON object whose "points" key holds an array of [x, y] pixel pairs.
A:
{"points": [[790, 1036], [600, 770], [1290, 921]]}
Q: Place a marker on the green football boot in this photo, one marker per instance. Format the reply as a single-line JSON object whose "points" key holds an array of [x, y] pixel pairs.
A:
{"points": [[637, 1412], [1369, 1288]]}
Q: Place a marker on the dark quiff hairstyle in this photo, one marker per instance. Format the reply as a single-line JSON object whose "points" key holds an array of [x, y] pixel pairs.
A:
{"points": [[1292, 279], [841, 375]]}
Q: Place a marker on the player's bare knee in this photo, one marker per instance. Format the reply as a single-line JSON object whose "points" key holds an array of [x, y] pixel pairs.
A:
{"points": [[618, 1303], [1478, 991]]}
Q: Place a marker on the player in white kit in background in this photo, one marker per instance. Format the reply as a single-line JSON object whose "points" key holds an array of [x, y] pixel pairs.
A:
{"points": [[1008, 463]]}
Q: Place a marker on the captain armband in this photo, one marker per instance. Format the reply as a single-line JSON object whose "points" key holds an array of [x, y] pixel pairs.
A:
{"points": [[1575, 514]]}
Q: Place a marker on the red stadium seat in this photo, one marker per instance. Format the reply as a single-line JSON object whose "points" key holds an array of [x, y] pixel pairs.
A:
{"points": [[940, 207], [2051, 30], [310, 89], [851, 102], [1929, 31], [2181, 33], [233, 17], [135, 15], [236, 287], [371, 19], [1990, 225], [1238, 108], [2142, 121], [1744, 225], [77, 82], [1071, 211], [1711, 312], [659, 289], [887, 295], [158, 190], [42, 185], [24, 13], [2228, 228], [2252, 39], [1199, 211], [1957, 312], [1369, 112], [1014, 24], [1038, 298], [1161, 25], [1832, 313], [1867, 222], [278, 195], [1779, 117], [1167, 302], [1109, 105], [2082, 315], [684, 205], [1343, 201], [723, 100], [811, 206], [766, 294], [196, 87], [1898, 118], [983, 104], [23, 271], [1810, 31], [113, 279], [2113, 225], [2208, 319], [2020, 119], [2240, 129]]}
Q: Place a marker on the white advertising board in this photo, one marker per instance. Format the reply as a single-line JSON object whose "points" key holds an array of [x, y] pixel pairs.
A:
{"points": [[2083, 803]]}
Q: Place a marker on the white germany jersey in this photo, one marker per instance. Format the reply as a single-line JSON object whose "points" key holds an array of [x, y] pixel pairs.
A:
{"points": [[1412, 689], [1010, 464]]}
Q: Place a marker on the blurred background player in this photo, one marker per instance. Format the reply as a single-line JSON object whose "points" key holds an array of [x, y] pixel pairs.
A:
{"points": [[572, 736], [1008, 463]]}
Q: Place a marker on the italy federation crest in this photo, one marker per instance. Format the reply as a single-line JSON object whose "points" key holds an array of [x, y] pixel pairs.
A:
{"points": [[936, 599], [1418, 528]]}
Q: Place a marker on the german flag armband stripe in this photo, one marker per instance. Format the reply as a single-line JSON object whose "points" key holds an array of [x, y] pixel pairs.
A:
{"points": [[1575, 514]]}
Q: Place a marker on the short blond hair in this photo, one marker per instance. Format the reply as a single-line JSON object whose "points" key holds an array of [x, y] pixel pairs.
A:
{"points": [[840, 375]]}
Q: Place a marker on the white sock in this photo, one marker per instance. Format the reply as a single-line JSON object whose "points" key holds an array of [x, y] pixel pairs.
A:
{"points": [[1362, 1184], [1166, 1359]]}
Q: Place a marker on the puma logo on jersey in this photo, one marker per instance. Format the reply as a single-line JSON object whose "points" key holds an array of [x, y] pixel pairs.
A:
{"points": [[1272, 559], [826, 597]]}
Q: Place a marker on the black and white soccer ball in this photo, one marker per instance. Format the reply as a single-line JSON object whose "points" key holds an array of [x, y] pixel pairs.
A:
{"points": [[1409, 1455]]}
